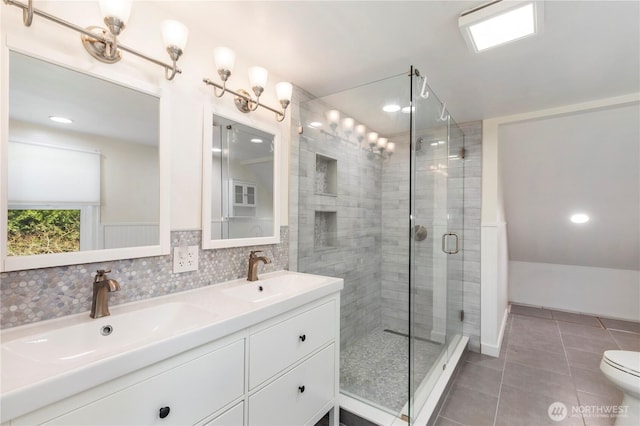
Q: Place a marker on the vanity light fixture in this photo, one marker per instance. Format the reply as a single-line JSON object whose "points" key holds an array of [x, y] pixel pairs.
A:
{"points": [[102, 43], [499, 22], [225, 59], [333, 117], [361, 130]]}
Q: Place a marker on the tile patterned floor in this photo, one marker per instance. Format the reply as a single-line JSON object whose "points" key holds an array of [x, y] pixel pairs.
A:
{"points": [[547, 356], [375, 368]]}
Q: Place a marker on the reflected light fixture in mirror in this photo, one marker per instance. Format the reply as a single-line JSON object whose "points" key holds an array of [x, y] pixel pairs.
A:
{"points": [[102, 43], [225, 59]]}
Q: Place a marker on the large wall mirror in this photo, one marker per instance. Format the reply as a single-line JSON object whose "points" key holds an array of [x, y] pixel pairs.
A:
{"points": [[83, 168], [240, 184]]}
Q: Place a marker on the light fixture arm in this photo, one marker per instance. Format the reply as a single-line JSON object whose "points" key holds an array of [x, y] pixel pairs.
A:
{"points": [[110, 43], [27, 11], [252, 104]]}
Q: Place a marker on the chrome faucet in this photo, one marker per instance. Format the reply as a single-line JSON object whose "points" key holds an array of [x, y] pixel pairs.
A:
{"points": [[252, 275], [102, 286]]}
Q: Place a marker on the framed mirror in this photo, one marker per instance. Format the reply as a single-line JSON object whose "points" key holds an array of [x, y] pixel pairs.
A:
{"points": [[240, 183], [84, 167]]}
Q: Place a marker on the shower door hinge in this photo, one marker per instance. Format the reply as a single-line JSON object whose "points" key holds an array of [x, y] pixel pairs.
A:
{"points": [[463, 153], [462, 315], [404, 418]]}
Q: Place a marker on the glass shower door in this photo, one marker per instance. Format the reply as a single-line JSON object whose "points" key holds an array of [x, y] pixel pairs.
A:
{"points": [[436, 223]]}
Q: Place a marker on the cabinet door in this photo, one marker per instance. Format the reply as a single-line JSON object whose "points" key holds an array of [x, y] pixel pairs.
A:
{"points": [[296, 397], [180, 396], [251, 195], [277, 347], [238, 194]]}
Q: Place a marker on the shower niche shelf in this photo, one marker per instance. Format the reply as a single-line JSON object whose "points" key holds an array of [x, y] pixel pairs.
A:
{"points": [[326, 177], [325, 230]]}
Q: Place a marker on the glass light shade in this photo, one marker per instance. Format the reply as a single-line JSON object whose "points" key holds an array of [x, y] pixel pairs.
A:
{"points": [[361, 129], [382, 143], [333, 116], [120, 9], [174, 33], [224, 58], [284, 90], [391, 147], [348, 123], [372, 137], [258, 77]]}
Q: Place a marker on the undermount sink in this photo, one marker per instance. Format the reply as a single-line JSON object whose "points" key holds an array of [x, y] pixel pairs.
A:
{"points": [[101, 337], [272, 287]]}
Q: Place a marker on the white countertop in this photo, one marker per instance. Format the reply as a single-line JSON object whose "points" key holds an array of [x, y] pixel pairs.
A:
{"points": [[33, 376]]}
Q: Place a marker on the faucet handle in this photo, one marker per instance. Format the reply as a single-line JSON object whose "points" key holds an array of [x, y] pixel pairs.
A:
{"points": [[253, 253], [101, 274]]}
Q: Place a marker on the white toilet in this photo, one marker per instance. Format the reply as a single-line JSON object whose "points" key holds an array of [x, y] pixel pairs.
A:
{"points": [[622, 368]]}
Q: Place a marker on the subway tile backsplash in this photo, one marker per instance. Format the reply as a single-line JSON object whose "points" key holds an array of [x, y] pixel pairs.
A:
{"points": [[41, 294]]}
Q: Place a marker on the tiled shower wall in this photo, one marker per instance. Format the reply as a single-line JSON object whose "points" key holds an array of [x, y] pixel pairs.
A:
{"points": [[339, 235], [40, 294], [389, 277], [471, 242]]}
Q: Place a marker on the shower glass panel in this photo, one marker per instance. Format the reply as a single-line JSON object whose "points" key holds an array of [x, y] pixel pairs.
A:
{"points": [[436, 263], [374, 212]]}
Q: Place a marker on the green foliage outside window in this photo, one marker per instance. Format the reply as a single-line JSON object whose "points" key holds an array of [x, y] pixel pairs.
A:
{"points": [[43, 231]]}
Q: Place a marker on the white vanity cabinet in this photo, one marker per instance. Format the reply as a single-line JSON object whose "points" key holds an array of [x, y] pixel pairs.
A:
{"points": [[174, 394], [280, 370], [293, 365]]}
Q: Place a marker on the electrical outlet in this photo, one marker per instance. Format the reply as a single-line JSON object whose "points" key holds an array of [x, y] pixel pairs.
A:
{"points": [[185, 259]]}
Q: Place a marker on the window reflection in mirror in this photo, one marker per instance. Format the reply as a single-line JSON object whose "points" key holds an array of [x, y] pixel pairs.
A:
{"points": [[242, 161], [88, 184]]}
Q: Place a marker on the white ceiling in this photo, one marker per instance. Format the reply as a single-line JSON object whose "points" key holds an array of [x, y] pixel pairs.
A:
{"points": [[40, 89], [588, 50]]}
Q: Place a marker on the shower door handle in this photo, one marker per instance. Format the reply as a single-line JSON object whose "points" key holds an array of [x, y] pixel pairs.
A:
{"points": [[444, 243]]}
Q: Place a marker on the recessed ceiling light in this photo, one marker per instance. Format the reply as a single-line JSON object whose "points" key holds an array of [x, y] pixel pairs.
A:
{"points": [[63, 120], [391, 108], [315, 124], [579, 218], [257, 140], [500, 22], [407, 109]]}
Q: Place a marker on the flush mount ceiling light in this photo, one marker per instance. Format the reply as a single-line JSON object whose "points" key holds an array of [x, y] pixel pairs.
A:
{"points": [[500, 22], [103, 44], [579, 218]]}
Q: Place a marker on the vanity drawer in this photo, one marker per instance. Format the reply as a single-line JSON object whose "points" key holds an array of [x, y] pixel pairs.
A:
{"points": [[275, 348], [232, 417], [192, 391], [295, 397]]}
